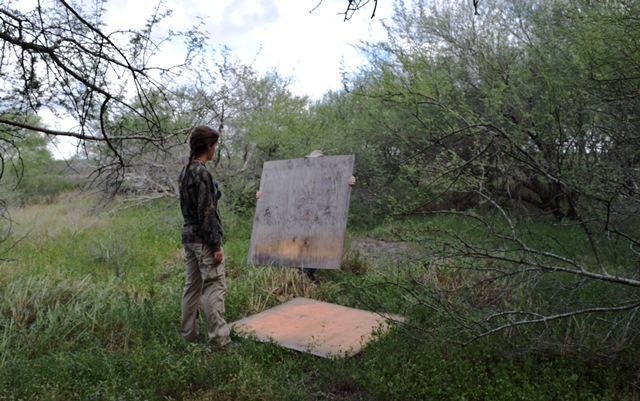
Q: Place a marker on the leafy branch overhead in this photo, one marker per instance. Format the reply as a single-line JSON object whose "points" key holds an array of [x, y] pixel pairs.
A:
{"points": [[57, 58]]}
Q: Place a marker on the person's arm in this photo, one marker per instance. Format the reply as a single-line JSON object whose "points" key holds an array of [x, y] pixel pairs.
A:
{"points": [[207, 204], [217, 230]]}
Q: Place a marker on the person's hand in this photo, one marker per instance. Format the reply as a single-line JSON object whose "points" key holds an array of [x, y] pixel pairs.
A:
{"points": [[258, 194], [218, 256], [352, 181]]}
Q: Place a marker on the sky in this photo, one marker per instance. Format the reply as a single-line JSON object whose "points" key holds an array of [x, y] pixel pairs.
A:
{"points": [[303, 39]]}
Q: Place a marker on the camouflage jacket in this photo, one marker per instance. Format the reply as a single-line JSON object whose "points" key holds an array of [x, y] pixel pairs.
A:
{"points": [[199, 205]]}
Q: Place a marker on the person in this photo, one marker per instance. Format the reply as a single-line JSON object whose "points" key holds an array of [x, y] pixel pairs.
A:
{"points": [[310, 272], [201, 234]]}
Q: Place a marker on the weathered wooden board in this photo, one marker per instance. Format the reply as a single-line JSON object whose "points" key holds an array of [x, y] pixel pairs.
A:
{"points": [[319, 328], [301, 215]]}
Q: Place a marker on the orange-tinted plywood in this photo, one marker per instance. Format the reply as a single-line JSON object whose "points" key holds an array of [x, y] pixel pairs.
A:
{"points": [[316, 327], [301, 215]]}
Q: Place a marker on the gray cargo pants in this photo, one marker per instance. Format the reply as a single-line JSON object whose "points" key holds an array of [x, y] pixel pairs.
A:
{"points": [[205, 285]]}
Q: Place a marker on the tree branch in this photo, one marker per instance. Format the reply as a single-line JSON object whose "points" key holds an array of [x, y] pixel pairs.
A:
{"points": [[70, 134], [545, 319]]}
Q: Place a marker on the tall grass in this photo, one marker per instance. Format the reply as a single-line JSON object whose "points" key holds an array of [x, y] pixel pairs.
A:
{"points": [[90, 305]]}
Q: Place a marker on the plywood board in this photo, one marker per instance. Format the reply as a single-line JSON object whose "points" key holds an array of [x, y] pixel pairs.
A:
{"points": [[301, 215], [320, 328]]}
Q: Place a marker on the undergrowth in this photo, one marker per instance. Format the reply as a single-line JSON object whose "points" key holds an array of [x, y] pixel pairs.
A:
{"points": [[90, 306]]}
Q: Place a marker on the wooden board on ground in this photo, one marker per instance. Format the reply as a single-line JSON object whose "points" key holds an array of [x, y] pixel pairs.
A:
{"points": [[301, 215], [320, 328]]}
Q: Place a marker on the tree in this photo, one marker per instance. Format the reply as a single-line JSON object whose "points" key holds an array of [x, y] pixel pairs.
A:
{"points": [[30, 173], [520, 124], [57, 57]]}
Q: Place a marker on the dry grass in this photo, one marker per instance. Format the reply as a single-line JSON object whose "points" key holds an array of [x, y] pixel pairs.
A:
{"points": [[74, 213], [272, 286], [478, 286]]}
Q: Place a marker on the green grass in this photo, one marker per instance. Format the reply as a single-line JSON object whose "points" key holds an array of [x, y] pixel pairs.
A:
{"points": [[90, 305]]}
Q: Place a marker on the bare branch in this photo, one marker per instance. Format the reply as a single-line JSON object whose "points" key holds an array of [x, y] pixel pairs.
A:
{"points": [[539, 319], [70, 134]]}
